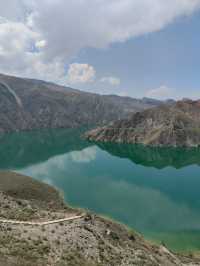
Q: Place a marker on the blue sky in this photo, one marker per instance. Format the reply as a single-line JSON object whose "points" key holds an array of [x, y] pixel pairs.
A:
{"points": [[169, 58], [139, 48]]}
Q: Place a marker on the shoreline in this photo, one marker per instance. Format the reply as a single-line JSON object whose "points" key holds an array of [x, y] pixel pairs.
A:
{"points": [[96, 240]]}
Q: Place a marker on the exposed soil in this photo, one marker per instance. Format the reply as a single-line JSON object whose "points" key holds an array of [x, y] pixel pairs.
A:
{"points": [[88, 241]]}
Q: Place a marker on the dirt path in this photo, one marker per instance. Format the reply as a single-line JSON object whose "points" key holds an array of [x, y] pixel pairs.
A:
{"points": [[41, 223]]}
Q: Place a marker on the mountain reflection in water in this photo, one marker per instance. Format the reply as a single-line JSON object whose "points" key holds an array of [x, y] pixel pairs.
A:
{"points": [[153, 190]]}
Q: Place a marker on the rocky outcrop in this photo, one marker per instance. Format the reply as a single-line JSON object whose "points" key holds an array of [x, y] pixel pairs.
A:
{"points": [[167, 125], [27, 104]]}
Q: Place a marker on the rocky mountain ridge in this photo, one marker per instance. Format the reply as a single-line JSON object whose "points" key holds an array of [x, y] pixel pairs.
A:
{"points": [[174, 125], [27, 104]]}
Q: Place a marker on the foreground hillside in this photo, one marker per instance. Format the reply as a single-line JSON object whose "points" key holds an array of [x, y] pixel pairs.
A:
{"points": [[167, 125], [88, 241], [32, 104]]}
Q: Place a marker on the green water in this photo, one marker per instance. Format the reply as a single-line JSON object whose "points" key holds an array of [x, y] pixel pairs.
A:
{"points": [[155, 191]]}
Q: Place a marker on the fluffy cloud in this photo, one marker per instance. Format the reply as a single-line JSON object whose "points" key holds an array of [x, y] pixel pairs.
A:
{"points": [[21, 52], [15, 38], [40, 44], [80, 73], [111, 80], [98, 23], [37, 38], [162, 92]]}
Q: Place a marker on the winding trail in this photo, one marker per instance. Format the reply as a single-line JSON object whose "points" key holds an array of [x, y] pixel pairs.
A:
{"points": [[41, 223]]}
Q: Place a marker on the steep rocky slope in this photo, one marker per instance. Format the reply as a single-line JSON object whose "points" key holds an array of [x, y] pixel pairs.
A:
{"points": [[167, 125], [27, 104], [88, 241]]}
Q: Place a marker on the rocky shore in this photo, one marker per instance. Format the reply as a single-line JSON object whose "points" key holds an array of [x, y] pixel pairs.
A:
{"points": [[88, 241]]}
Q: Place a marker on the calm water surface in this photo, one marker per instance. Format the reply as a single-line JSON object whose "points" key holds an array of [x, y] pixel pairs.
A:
{"points": [[155, 191]]}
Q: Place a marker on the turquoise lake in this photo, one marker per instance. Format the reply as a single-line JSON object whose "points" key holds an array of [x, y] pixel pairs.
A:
{"points": [[155, 191]]}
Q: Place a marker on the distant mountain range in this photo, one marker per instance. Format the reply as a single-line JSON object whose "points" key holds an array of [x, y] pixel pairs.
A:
{"points": [[177, 124], [27, 104]]}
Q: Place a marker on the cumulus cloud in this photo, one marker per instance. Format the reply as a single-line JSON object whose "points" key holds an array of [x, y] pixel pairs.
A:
{"points": [[40, 44], [80, 73], [37, 38], [98, 23], [15, 38], [21, 52], [162, 92], [111, 80]]}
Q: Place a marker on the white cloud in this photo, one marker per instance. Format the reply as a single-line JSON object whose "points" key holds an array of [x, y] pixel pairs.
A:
{"points": [[162, 92], [16, 38], [98, 23], [21, 53], [111, 80], [40, 44], [37, 38], [80, 73], [13, 10]]}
